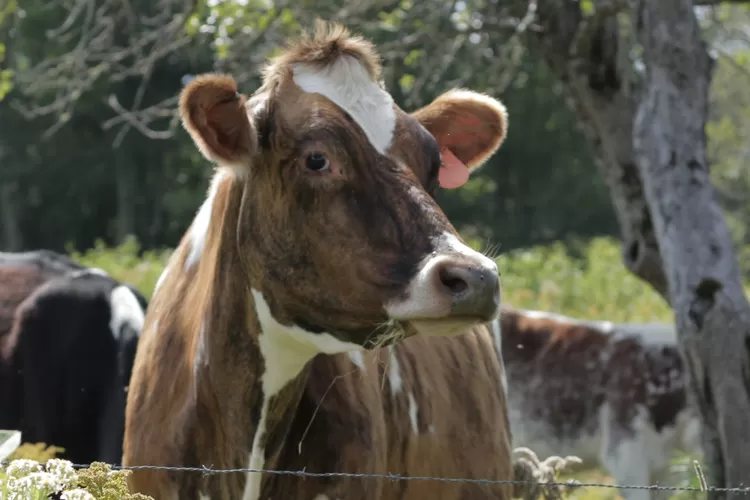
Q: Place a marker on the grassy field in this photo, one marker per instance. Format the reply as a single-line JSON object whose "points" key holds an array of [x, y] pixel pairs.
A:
{"points": [[587, 281]]}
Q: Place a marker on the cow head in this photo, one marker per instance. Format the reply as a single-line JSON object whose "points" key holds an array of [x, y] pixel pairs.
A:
{"points": [[338, 225]]}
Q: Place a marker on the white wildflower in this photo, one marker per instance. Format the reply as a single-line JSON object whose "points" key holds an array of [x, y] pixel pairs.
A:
{"points": [[37, 484], [8, 487], [77, 494], [63, 471], [21, 467]]}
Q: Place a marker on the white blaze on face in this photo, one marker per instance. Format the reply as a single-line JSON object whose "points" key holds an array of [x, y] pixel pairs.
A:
{"points": [[347, 84], [125, 309]]}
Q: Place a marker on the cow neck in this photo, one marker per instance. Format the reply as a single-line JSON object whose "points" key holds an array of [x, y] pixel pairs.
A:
{"points": [[250, 371]]}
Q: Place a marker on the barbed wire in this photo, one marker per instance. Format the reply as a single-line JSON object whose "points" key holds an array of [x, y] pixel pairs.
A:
{"points": [[400, 477]]}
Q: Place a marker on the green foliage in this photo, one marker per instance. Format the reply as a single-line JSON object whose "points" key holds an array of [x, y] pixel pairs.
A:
{"points": [[728, 127], [76, 187], [6, 82], [590, 283], [126, 263], [8, 8]]}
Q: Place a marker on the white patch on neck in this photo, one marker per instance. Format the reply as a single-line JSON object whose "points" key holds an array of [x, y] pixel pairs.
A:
{"points": [[285, 351], [199, 228], [357, 358], [413, 411], [125, 309], [347, 84], [257, 459], [394, 371]]}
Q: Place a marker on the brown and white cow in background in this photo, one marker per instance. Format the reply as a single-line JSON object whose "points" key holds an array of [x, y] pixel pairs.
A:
{"points": [[320, 239], [612, 394]]}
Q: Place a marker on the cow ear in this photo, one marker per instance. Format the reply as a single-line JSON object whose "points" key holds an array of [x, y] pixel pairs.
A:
{"points": [[469, 128], [216, 117]]}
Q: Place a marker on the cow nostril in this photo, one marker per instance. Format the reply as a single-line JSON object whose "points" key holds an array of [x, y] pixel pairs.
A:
{"points": [[453, 281]]}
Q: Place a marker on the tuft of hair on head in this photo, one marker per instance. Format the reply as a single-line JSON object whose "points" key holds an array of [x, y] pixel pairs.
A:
{"points": [[214, 114], [322, 47]]}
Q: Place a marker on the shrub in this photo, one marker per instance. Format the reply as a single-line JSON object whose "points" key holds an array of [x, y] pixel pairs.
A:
{"points": [[587, 281]]}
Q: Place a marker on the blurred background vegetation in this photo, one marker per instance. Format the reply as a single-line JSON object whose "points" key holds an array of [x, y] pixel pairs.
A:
{"points": [[93, 161], [91, 149]]}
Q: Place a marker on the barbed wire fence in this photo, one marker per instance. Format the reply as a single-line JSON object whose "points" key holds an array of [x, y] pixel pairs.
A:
{"points": [[207, 471]]}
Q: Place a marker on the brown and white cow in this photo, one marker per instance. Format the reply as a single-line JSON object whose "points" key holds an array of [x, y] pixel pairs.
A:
{"points": [[612, 394], [320, 240]]}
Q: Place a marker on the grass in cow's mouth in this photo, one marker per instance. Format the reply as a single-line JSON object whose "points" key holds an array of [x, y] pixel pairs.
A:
{"points": [[388, 333]]}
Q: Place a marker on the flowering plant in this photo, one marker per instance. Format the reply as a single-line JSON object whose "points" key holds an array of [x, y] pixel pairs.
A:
{"points": [[26, 479]]}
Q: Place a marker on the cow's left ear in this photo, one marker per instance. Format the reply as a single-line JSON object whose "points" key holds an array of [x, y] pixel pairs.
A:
{"points": [[469, 127]]}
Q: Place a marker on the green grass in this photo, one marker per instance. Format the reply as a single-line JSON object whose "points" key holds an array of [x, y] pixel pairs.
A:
{"points": [[586, 281], [124, 263]]}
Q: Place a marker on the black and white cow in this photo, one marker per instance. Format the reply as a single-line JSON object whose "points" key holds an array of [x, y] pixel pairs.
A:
{"points": [[65, 362]]}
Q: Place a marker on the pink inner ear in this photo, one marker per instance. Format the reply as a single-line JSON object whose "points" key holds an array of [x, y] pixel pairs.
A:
{"points": [[464, 130], [453, 173]]}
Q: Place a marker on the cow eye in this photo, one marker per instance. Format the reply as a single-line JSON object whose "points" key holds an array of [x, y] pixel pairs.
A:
{"points": [[317, 162]]}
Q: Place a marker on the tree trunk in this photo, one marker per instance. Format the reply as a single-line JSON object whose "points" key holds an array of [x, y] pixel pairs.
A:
{"points": [[711, 310], [592, 63], [648, 133]]}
